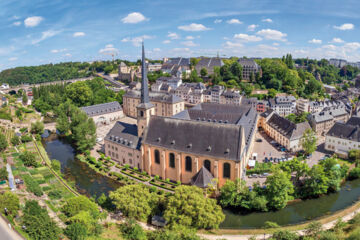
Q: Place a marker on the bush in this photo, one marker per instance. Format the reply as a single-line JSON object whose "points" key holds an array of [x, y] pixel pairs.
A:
{"points": [[15, 140], [26, 138], [284, 235], [355, 235], [131, 230], [33, 186], [55, 194], [269, 224], [56, 165], [28, 159], [46, 188], [354, 173]]}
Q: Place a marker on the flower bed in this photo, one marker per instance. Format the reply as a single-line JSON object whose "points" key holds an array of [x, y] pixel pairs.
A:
{"points": [[163, 184], [136, 174]]}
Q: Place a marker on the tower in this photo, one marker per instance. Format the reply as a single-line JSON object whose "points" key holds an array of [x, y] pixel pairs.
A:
{"points": [[145, 109]]}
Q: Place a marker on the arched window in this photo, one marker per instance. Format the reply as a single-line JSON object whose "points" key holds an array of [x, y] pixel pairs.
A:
{"points": [[171, 160], [207, 165], [188, 164], [226, 170], [157, 156], [141, 114]]}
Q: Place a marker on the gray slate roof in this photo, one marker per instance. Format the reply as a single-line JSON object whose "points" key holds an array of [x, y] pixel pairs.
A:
{"points": [[124, 134], [287, 128], [195, 137], [247, 62], [156, 96], [100, 109], [202, 178], [328, 114]]}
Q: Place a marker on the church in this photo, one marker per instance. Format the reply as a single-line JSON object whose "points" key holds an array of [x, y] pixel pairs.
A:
{"points": [[207, 142]]}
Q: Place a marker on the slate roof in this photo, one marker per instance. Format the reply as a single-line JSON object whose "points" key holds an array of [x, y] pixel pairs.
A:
{"points": [[156, 96], [345, 131], [354, 121], [267, 113], [124, 134], [100, 109], [202, 178], [287, 128], [328, 114], [231, 94], [247, 62], [196, 137], [209, 63]]}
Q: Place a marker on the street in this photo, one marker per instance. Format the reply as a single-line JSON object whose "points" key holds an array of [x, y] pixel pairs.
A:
{"points": [[6, 233]]}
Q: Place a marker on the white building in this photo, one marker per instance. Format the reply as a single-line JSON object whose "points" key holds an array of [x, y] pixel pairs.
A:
{"points": [[283, 105], [104, 113]]}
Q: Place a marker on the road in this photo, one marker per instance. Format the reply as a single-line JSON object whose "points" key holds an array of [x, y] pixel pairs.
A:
{"points": [[110, 79], [6, 233]]}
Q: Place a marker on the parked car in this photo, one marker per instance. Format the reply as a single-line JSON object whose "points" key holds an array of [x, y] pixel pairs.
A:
{"points": [[259, 140], [255, 175]]}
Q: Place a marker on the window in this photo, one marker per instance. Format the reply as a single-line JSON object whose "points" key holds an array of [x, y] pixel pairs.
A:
{"points": [[171, 160], [188, 164], [141, 114], [207, 165], [226, 170], [157, 156]]}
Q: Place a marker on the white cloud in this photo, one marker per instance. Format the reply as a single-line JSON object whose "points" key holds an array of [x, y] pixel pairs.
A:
{"points": [[315, 41], [193, 27], [252, 27], [173, 35], [218, 21], [271, 34], [269, 20], [276, 44], [189, 43], [267, 47], [229, 44], [352, 46], [156, 49], [45, 35], [345, 26], [33, 21], [12, 59], [136, 41], [67, 55], [134, 17], [166, 42], [189, 38], [58, 50], [109, 48], [79, 34], [234, 21], [247, 38], [18, 23], [337, 40]]}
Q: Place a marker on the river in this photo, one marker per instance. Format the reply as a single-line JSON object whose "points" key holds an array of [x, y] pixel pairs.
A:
{"points": [[88, 182]]}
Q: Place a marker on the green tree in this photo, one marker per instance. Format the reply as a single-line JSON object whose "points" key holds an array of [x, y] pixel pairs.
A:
{"points": [[37, 127], [79, 92], [278, 189], [189, 207], [309, 141], [108, 69], [236, 70], [86, 219], [131, 230], [3, 174], [11, 202], [203, 72], [74, 205], [284, 235], [15, 140], [24, 99], [316, 183], [56, 165], [3, 142], [119, 96], [134, 201], [28, 158], [76, 231]]}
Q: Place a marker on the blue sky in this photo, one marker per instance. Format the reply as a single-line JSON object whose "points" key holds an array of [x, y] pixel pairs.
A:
{"points": [[49, 31]]}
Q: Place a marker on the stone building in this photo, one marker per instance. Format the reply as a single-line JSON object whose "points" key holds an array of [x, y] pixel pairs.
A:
{"points": [[250, 68], [230, 97], [126, 73], [104, 113], [343, 137], [283, 131], [208, 64], [283, 105]]}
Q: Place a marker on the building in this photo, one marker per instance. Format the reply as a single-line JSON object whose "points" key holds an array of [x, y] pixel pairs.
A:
{"points": [[262, 106], [104, 113], [321, 122], [343, 137], [123, 142], [191, 92], [208, 64], [283, 105], [176, 66], [304, 105], [230, 97], [250, 68], [216, 92], [283, 131], [153, 67], [338, 62], [217, 137], [129, 74], [329, 89], [165, 84], [166, 104]]}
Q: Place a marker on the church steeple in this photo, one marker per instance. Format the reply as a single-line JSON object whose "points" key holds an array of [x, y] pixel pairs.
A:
{"points": [[145, 109], [144, 80]]}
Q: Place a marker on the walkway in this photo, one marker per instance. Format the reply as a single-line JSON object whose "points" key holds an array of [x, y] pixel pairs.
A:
{"points": [[6, 231]]}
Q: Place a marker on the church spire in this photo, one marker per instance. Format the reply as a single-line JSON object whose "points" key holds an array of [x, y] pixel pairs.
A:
{"points": [[144, 80]]}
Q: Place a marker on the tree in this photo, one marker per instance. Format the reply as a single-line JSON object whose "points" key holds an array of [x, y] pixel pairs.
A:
{"points": [[75, 205], [37, 127], [278, 189], [316, 183], [131, 230], [38, 224], [11, 202], [79, 92], [134, 201], [308, 141], [236, 70], [3, 142], [284, 235], [86, 219], [203, 72], [313, 229], [108, 69], [28, 158], [119, 96], [189, 207], [15, 140], [24, 99], [76, 231], [272, 93]]}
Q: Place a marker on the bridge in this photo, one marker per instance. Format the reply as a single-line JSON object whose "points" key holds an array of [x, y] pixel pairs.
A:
{"points": [[28, 86], [111, 80]]}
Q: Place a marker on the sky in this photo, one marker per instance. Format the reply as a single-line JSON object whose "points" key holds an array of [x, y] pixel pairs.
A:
{"points": [[34, 32]]}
